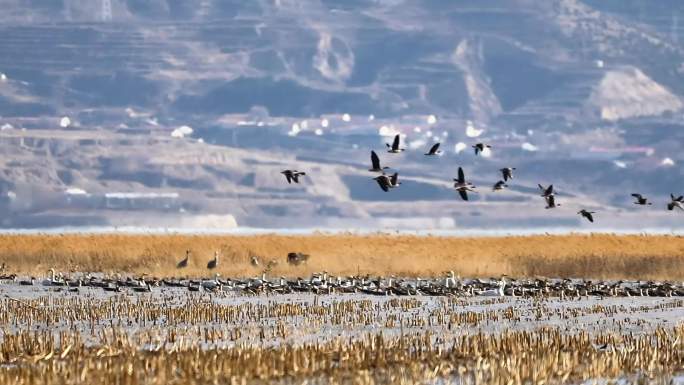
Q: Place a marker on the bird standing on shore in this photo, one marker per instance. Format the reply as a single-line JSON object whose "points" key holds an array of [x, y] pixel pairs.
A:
{"points": [[184, 262], [214, 262]]}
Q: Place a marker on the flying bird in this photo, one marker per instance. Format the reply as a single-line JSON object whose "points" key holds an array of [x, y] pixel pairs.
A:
{"points": [[587, 214], [507, 173], [384, 182], [434, 150], [551, 202], [641, 200], [394, 148], [292, 175], [479, 147], [462, 186], [676, 202], [375, 163], [546, 192], [500, 185], [184, 263], [394, 180]]}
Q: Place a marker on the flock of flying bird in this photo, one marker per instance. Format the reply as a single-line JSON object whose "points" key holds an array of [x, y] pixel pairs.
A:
{"points": [[462, 186]]}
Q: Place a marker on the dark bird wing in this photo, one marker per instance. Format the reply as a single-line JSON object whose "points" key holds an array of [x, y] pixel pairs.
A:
{"points": [[590, 217], [433, 149], [375, 161], [288, 176], [506, 174], [680, 198], [461, 175], [549, 190], [670, 206], [637, 196], [395, 144], [382, 182], [394, 178], [540, 186], [464, 194], [295, 177]]}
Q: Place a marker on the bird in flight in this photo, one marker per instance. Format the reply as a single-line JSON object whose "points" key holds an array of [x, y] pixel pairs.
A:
{"points": [[387, 182], [292, 175], [462, 186], [507, 173], [546, 192], [375, 163], [434, 150], [676, 202], [479, 147], [587, 214], [551, 202], [641, 200], [500, 185], [394, 180], [394, 148], [384, 182]]}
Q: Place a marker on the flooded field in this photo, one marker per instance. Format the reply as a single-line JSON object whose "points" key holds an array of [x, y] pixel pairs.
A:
{"points": [[165, 335], [340, 309]]}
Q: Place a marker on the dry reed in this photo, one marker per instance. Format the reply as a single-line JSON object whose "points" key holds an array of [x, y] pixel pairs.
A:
{"points": [[603, 256], [143, 340]]}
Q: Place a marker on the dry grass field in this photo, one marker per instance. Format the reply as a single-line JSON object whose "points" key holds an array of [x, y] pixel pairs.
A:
{"points": [[590, 256]]}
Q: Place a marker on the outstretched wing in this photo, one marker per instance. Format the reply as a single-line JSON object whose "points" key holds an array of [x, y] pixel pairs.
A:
{"points": [[461, 175], [395, 144], [590, 217], [549, 190], [540, 186], [680, 198], [670, 206], [289, 178], [295, 178], [383, 184], [434, 148], [464, 194], [394, 178], [637, 196], [375, 161]]}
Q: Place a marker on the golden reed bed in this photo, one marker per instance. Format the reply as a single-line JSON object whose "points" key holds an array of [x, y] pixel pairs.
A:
{"points": [[589, 256]]}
